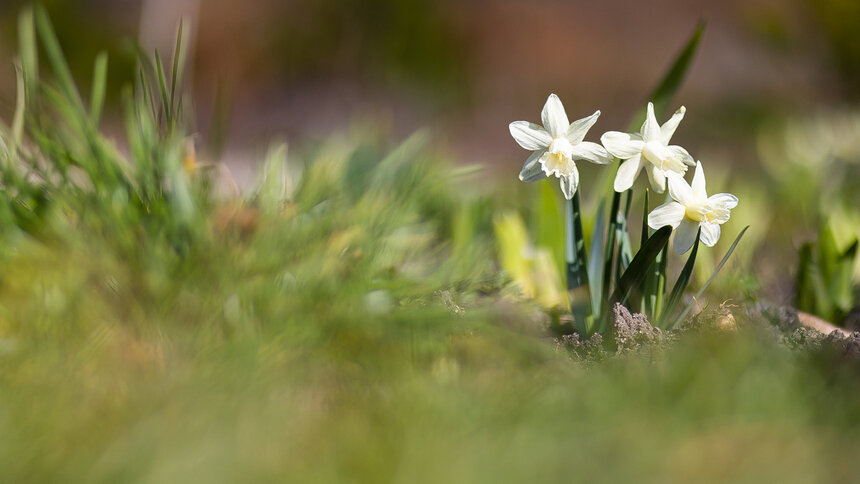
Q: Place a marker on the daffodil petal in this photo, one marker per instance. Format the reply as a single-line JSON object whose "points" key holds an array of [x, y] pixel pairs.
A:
{"points": [[726, 200], [685, 236], [698, 184], [627, 173], [670, 213], [680, 152], [529, 135], [669, 127], [622, 145], [710, 233], [650, 128], [657, 177], [592, 152], [554, 118], [679, 189], [570, 183], [532, 170], [579, 128]]}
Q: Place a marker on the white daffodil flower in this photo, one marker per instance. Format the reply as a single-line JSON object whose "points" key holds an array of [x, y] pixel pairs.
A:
{"points": [[648, 149], [691, 210], [557, 145]]}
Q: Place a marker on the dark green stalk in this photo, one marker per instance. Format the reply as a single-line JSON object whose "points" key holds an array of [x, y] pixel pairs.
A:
{"points": [[623, 237], [680, 284], [609, 253], [645, 304], [577, 267], [660, 288], [657, 285]]}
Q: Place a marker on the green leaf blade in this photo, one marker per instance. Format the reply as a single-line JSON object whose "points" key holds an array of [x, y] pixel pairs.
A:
{"points": [[682, 282], [97, 96]]}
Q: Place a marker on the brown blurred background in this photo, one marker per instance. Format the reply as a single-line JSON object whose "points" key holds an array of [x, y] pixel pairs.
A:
{"points": [[304, 69]]}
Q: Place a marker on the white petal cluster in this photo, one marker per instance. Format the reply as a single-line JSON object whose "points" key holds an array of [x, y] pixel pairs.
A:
{"points": [[648, 149], [557, 145], [692, 210]]}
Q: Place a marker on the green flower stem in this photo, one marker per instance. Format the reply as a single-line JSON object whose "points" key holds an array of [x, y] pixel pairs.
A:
{"points": [[609, 253], [660, 287], [645, 305], [577, 263], [623, 237]]}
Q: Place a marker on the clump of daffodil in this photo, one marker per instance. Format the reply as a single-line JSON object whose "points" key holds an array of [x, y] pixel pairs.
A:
{"points": [[648, 149], [557, 145], [692, 210]]}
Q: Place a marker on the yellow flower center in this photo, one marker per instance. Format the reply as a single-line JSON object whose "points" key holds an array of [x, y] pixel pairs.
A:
{"points": [[557, 159], [558, 163], [704, 212], [662, 157]]}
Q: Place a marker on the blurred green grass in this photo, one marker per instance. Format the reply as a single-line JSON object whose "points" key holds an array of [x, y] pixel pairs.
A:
{"points": [[343, 337]]}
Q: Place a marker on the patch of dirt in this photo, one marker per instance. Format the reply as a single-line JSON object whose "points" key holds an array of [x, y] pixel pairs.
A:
{"points": [[632, 333]]}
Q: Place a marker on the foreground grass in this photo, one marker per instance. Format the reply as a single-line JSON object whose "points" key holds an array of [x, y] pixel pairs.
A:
{"points": [[345, 337]]}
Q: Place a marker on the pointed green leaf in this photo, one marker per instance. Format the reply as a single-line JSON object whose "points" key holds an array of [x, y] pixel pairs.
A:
{"points": [[179, 52], [682, 282], [162, 88], [595, 262], [577, 263]]}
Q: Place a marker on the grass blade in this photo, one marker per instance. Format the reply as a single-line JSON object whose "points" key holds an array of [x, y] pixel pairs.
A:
{"points": [[18, 117], [711, 279], [178, 63], [682, 282], [162, 88], [97, 96], [29, 52], [57, 60]]}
